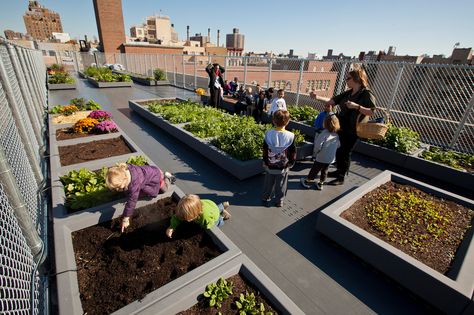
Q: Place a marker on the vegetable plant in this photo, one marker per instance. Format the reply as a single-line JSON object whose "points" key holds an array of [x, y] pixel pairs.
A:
{"points": [[299, 137], [83, 105], [60, 78], [64, 110], [461, 161], [159, 75], [247, 304], [305, 114], [400, 139], [217, 292], [138, 160]]}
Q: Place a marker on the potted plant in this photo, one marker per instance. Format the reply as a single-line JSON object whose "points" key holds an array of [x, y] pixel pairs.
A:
{"points": [[104, 78]]}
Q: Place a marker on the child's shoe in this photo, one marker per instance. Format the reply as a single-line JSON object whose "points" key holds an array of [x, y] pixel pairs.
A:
{"points": [[266, 202], [279, 204], [226, 205], [320, 186], [226, 215], [307, 183], [170, 177]]}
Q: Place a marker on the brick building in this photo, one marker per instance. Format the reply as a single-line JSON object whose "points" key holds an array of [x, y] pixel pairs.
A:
{"points": [[41, 22], [109, 18]]}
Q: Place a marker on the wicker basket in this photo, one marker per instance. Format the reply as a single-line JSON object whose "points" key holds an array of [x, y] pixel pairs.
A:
{"points": [[371, 130]]}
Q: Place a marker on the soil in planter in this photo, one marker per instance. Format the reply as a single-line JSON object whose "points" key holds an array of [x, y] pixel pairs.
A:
{"points": [[68, 133], [241, 285], [94, 150], [117, 269], [431, 233]]}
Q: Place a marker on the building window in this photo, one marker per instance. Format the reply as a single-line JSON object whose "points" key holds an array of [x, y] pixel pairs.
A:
{"points": [[317, 85]]}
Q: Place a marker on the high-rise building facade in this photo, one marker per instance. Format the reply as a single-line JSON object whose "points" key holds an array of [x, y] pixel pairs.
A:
{"points": [[156, 29], [109, 19], [41, 22]]}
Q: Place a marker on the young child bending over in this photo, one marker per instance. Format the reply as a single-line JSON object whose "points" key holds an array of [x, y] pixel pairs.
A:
{"points": [[204, 212], [325, 147], [136, 182]]}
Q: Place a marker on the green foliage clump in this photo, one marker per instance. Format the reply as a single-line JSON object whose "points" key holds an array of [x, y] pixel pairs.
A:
{"points": [[304, 114], [104, 74], [461, 161], [85, 189], [159, 75], [407, 218], [81, 104], [400, 139], [299, 137], [217, 292], [138, 160], [248, 305], [61, 78]]}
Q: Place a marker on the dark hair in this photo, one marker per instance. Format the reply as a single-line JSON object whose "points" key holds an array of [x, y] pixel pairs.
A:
{"points": [[281, 118], [281, 90], [360, 76]]}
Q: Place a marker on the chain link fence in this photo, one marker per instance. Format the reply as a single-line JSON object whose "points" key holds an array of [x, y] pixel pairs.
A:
{"points": [[434, 100], [23, 221]]}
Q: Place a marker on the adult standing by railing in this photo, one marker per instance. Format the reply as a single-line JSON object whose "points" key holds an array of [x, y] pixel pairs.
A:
{"points": [[353, 106], [216, 83]]}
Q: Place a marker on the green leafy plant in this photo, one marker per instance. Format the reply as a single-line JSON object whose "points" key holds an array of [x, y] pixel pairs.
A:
{"points": [[64, 110], [299, 137], [91, 105], [217, 292], [305, 114], [248, 305], [60, 78], [461, 161], [400, 139], [138, 160], [159, 75], [85, 188]]}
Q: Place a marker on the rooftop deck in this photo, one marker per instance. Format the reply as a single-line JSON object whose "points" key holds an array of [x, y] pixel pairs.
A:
{"points": [[319, 276]]}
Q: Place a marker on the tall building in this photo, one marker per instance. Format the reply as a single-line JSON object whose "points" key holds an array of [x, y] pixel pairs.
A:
{"points": [[41, 22], [12, 35], [235, 46], [156, 29], [109, 19]]}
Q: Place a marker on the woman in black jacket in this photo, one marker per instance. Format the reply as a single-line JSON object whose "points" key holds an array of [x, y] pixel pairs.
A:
{"points": [[216, 83]]}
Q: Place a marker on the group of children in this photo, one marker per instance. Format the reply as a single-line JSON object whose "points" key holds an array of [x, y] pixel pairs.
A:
{"points": [[279, 155]]}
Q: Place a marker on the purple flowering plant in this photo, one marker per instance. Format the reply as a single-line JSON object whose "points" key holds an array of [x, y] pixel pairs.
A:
{"points": [[100, 115], [106, 126]]}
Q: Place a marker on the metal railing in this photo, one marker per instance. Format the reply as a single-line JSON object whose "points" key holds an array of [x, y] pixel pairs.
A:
{"points": [[23, 221], [434, 100]]}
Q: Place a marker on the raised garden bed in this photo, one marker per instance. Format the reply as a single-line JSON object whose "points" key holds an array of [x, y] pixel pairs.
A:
{"points": [[62, 86], [109, 84], [239, 169], [135, 263], [137, 246], [94, 150], [451, 292]]}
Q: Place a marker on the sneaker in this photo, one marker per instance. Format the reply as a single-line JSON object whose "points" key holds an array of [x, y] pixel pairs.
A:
{"points": [[279, 204], [170, 177], [226, 204], [333, 174], [306, 183], [337, 181], [226, 215], [320, 186], [266, 203]]}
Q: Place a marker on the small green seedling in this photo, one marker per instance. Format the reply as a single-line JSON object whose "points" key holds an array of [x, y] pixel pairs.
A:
{"points": [[217, 292], [247, 305]]}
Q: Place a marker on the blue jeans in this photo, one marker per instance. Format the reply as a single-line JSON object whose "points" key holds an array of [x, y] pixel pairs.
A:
{"points": [[220, 221]]}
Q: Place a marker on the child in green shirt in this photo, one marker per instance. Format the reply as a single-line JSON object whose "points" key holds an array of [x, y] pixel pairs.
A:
{"points": [[204, 212]]}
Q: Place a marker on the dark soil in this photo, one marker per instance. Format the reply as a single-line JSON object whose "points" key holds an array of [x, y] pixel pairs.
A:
{"points": [[116, 269], [228, 306], [94, 150], [68, 133], [437, 253]]}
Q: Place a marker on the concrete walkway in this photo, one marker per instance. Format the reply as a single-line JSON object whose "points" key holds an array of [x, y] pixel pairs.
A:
{"points": [[319, 276]]}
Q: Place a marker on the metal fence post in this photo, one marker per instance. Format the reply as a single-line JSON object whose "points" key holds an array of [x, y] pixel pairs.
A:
{"points": [[245, 71], [184, 78], [269, 72], [195, 71], [342, 81], [225, 66], [298, 85], [395, 88], [174, 69], [462, 123]]}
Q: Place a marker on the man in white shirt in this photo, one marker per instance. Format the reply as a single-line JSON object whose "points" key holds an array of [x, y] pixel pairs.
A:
{"points": [[278, 103]]}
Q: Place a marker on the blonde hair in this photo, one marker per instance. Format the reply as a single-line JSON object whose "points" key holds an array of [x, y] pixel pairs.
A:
{"points": [[331, 123], [116, 176], [189, 207], [359, 75], [248, 90], [281, 118]]}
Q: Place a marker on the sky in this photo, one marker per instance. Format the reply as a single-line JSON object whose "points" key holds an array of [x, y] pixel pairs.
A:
{"points": [[414, 27]]}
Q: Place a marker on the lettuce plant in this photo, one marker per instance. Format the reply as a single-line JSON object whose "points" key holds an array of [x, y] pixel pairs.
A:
{"points": [[400, 139], [247, 304], [217, 292], [159, 75], [305, 114], [138, 160]]}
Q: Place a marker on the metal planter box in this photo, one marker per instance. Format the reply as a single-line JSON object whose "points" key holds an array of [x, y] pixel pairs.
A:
{"points": [[68, 290], [186, 297], [239, 169], [109, 84], [452, 294], [62, 86], [307, 130]]}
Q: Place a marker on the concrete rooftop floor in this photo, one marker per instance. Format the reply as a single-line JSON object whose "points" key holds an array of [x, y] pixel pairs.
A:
{"points": [[319, 276]]}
